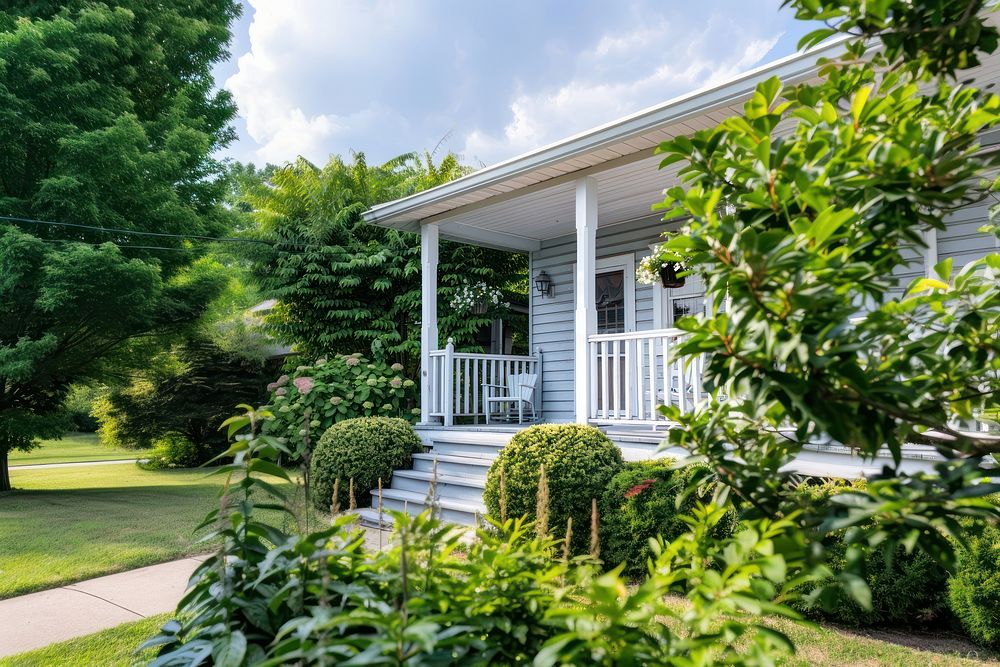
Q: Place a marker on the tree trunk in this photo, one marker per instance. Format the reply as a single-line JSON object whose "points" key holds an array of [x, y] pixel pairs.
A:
{"points": [[4, 471]]}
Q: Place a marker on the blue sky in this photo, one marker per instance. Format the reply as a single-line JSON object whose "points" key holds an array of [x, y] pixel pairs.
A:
{"points": [[490, 79]]}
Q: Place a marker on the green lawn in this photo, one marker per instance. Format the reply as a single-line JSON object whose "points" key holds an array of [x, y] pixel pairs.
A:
{"points": [[110, 648], [61, 525], [820, 648], [73, 448]]}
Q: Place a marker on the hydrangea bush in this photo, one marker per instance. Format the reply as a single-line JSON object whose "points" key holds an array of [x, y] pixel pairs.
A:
{"points": [[334, 389]]}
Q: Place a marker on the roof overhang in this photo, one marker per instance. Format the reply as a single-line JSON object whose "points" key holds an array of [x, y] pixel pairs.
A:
{"points": [[620, 152]]}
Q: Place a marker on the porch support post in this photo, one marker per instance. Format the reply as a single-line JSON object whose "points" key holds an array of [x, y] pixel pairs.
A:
{"points": [[586, 309], [429, 235]]}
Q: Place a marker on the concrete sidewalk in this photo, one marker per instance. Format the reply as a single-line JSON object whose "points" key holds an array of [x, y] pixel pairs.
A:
{"points": [[39, 619]]}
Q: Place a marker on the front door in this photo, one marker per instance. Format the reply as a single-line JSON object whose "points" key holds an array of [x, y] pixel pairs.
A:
{"points": [[614, 300]]}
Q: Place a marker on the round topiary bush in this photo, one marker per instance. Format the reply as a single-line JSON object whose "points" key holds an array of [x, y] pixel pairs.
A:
{"points": [[907, 589], [974, 589], [641, 502], [579, 462], [365, 449]]}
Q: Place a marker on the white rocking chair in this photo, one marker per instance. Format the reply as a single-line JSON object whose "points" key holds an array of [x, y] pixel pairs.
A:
{"points": [[519, 391]]}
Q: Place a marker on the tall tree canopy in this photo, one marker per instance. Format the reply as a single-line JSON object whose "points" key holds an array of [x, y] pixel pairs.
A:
{"points": [[343, 284], [108, 119]]}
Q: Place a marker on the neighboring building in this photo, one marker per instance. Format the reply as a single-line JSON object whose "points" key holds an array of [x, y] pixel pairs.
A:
{"points": [[255, 318], [602, 342]]}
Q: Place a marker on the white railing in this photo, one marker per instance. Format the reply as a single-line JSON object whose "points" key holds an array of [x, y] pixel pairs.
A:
{"points": [[634, 373], [457, 379]]}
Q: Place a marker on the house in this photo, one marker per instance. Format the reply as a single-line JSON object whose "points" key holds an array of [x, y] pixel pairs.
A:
{"points": [[602, 343]]}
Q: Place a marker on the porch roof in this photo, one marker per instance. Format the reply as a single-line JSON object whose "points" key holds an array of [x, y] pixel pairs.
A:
{"points": [[518, 203]]}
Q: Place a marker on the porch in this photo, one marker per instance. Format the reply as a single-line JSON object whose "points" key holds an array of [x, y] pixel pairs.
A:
{"points": [[630, 375]]}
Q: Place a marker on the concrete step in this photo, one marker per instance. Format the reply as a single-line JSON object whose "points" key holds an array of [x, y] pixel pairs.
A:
{"points": [[452, 510], [368, 517], [459, 466], [467, 442], [448, 486]]}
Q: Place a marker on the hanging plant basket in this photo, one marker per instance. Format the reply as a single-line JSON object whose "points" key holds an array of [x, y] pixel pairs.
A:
{"points": [[669, 277], [480, 308]]}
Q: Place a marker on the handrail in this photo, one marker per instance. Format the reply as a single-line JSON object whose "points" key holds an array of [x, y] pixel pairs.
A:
{"points": [[636, 335], [484, 357]]}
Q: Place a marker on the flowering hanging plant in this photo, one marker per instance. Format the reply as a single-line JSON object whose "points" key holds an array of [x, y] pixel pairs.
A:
{"points": [[477, 296], [648, 270]]}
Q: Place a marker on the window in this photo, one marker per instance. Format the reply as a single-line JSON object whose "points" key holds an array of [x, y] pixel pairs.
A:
{"points": [[609, 295]]}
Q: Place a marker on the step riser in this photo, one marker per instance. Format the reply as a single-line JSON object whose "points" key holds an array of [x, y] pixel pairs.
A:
{"points": [[414, 508], [487, 451], [451, 468], [456, 491]]}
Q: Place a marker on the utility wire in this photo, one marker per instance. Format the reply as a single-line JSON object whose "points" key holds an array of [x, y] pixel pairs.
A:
{"points": [[199, 237], [221, 239]]}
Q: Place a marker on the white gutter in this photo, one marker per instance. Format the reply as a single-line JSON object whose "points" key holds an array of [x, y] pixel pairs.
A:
{"points": [[790, 68]]}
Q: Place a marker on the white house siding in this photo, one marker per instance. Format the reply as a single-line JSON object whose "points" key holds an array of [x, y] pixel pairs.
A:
{"points": [[962, 241], [552, 317]]}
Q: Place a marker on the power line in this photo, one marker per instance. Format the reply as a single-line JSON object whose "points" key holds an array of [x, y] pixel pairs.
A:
{"points": [[114, 230], [222, 239]]}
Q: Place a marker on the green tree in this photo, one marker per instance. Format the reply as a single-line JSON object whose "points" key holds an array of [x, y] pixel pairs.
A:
{"points": [[344, 285], [108, 119], [804, 231]]}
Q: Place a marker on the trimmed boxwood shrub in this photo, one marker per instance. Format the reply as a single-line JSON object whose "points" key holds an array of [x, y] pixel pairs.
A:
{"points": [[365, 449], [641, 502], [579, 463], [974, 589], [910, 590]]}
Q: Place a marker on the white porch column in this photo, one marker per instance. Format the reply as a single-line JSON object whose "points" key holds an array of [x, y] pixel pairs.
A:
{"points": [[429, 235], [586, 309]]}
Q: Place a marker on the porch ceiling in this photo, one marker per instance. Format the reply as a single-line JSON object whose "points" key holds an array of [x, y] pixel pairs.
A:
{"points": [[548, 211]]}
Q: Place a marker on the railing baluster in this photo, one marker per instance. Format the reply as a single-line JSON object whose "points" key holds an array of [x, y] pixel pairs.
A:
{"points": [[640, 379], [604, 379], [615, 378]]}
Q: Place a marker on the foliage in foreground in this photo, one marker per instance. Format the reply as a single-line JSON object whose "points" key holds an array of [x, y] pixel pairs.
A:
{"points": [[799, 236], [271, 597], [908, 588]]}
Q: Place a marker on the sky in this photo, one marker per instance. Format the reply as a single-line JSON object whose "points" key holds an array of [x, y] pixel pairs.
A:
{"points": [[486, 80]]}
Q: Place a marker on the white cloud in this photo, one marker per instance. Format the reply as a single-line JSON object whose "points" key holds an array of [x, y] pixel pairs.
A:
{"points": [[539, 118], [391, 76]]}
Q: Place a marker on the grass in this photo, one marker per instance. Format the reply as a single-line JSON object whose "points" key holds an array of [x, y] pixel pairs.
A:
{"points": [[114, 647], [831, 647], [826, 646], [817, 647], [72, 448], [62, 525]]}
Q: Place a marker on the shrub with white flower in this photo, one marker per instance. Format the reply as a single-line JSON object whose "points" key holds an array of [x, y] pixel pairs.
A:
{"points": [[477, 297], [337, 388]]}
